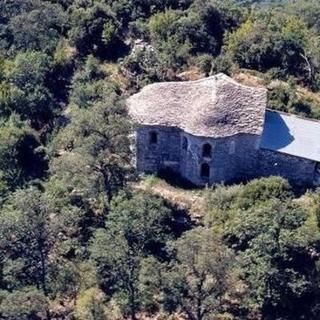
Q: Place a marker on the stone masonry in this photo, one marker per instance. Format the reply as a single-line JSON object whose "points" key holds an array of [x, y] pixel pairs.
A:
{"points": [[210, 145]]}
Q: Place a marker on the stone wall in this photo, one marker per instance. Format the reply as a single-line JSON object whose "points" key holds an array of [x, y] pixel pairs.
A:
{"points": [[232, 159], [152, 157], [298, 171]]}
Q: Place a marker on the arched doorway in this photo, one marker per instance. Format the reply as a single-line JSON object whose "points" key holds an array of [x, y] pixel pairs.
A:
{"points": [[205, 171]]}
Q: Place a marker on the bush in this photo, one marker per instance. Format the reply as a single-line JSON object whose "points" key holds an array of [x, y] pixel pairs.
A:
{"points": [[224, 64], [264, 189], [205, 64], [89, 305], [29, 303]]}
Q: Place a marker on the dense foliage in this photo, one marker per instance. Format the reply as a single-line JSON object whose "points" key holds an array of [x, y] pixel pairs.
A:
{"points": [[77, 240]]}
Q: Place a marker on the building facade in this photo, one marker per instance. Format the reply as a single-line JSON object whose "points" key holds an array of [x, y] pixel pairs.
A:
{"points": [[218, 131]]}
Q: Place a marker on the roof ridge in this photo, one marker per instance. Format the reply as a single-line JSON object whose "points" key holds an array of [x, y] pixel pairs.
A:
{"points": [[215, 106]]}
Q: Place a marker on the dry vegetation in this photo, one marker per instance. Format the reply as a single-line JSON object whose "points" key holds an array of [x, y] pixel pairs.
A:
{"points": [[191, 200]]}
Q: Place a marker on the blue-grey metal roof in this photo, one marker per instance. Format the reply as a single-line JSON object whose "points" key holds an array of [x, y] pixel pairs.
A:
{"points": [[291, 135]]}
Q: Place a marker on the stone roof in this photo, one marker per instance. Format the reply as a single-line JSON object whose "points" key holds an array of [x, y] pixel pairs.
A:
{"points": [[216, 106], [292, 135]]}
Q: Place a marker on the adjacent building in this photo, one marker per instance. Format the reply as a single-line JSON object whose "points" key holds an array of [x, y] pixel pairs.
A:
{"points": [[216, 130]]}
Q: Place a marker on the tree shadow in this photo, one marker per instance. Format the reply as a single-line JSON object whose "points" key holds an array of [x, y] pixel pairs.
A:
{"points": [[115, 50]]}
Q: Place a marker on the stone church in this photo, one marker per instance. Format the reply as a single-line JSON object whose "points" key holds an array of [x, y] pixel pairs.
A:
{"points": [[216, 130]]}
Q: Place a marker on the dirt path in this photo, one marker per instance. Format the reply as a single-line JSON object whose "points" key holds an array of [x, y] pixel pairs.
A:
{"points": [[191, 200]]}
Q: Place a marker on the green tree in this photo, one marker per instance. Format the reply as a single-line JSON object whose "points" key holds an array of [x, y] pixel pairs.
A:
{"points": [[37, 27], [173, 51], [276, 43], [89, 305], [27, 236], [135, 227], [277, 258], [89, 85], [93, 149], [93, 29], [202, 277], [275, 238], [22, 157], [219, 204], [213, 19], [309, 11], [264, 189], [29, 94], [28, 303]]}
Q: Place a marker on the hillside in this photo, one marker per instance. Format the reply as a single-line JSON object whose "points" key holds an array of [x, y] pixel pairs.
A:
{"points": [[83, 236]]}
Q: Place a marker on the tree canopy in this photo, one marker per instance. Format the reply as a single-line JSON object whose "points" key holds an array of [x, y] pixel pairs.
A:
{"points": [[80, 237]]}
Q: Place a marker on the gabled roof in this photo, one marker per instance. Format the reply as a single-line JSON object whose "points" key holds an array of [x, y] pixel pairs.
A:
{"points": [[291, 135], [216, 106]]}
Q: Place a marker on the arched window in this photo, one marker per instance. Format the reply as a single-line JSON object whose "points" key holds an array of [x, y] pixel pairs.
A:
{"points": [[205, 170], [153, 137], [184, 143], [206, 150]]}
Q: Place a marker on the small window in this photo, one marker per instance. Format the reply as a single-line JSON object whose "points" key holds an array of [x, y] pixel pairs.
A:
{"points": [[153, 137], [205, 170], [184, 143], [232, 147], [317, 175], [206, 150], [257, 144]]}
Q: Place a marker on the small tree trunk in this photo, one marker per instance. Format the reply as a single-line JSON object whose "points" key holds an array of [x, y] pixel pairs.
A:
{"points": [[132, 302], [43, 272], [199, 313], [309, 66], [131, 289]]}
